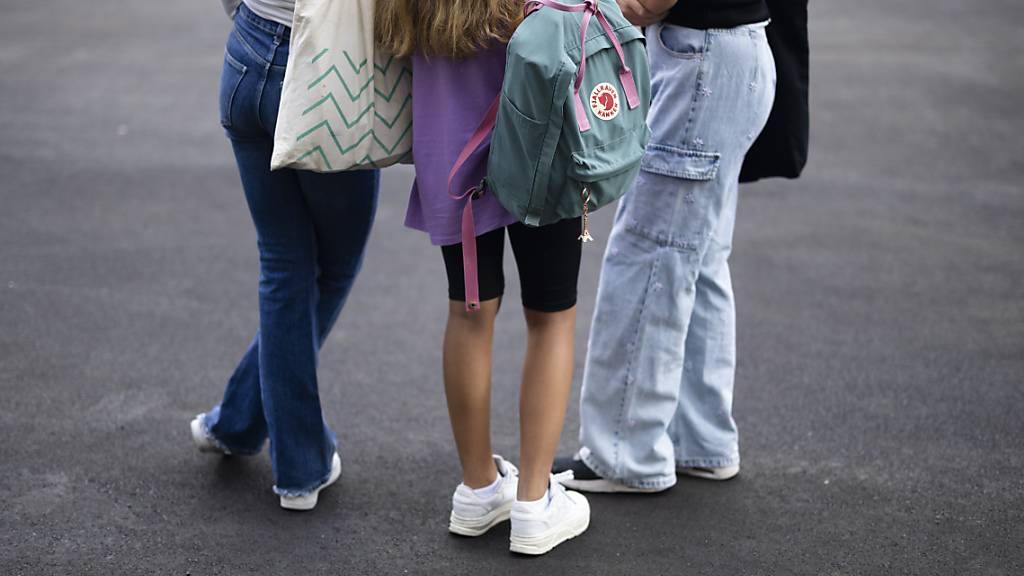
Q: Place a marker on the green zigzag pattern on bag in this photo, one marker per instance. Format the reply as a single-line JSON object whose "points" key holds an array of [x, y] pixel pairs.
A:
{"points": [[354, 96]]}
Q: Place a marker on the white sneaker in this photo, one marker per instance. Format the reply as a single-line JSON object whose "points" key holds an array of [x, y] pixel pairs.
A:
{"points": [[723, 473], [565, 516], [202, 438], [308, 501], [473, 515]]}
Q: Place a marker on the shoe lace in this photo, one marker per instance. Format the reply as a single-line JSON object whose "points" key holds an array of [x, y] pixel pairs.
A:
{"points": [[510, 470], [557, 479]]}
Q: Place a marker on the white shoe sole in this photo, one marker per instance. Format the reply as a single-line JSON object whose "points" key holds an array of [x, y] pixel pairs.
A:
{"points": [[719, 474], [603, 486], [544, 543], [201, 440], [308, 501], [478, 526]]}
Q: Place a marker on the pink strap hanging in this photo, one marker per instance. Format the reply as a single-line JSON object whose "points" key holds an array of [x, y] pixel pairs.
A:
{"points": [[590, 8], [469, 263]]}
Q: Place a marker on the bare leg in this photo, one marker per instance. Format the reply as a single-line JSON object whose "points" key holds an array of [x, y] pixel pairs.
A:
{"points": [[467, 385], [547, 380]]}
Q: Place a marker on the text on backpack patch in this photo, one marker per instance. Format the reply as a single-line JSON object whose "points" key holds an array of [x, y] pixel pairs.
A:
{"points": [[604, 101]]}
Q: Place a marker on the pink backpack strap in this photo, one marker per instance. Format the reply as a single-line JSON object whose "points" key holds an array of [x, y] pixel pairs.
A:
{"points": [[469, 263], [590, 8]]}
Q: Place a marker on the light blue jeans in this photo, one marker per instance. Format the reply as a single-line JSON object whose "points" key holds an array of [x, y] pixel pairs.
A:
{"points": [[658, 382]]}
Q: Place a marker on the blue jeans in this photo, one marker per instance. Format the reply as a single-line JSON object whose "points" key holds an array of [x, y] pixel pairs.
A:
{"points": [[658, 380], [311, 231]]}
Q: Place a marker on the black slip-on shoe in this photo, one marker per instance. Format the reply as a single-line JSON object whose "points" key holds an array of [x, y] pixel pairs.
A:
{"points": [[586, 480]]}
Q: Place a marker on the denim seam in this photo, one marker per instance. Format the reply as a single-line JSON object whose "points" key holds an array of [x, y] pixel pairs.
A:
{"points": [[247, 47], [629, 387], [259, 99], [252, 52], [662, 240], [697, 87], [644, 307], [717, 462], [258, 21], [227, 118], [684, 171], [625, 385]]}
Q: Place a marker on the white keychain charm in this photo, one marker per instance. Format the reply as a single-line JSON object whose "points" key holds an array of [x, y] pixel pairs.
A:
{"points": [[585, 234]]}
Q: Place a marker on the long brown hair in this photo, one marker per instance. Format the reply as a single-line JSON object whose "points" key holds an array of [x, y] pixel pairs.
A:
{"points": [[450, 28]]}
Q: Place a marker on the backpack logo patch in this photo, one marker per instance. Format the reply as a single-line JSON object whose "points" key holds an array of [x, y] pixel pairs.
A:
{"points": [[604, 101]]}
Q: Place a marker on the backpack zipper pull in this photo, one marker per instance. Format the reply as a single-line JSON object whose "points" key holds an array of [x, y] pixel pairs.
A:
{"points": [[585, 235]]}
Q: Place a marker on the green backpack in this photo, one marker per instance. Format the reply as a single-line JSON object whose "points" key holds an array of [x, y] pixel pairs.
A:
{"points": [[569, 130]]}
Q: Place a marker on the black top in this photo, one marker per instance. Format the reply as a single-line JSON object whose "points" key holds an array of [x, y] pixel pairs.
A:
{"points": [[704, 14]]}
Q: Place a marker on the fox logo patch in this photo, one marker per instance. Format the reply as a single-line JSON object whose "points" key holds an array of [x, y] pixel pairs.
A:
{"points": [[604, 101]]}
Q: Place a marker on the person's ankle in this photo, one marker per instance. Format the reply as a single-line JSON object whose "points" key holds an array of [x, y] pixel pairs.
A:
{"points": [[480, 479], [531, 493]]}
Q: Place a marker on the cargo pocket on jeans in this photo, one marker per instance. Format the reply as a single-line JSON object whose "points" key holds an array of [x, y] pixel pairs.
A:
{"points": [[230, 79], [672, 196]]}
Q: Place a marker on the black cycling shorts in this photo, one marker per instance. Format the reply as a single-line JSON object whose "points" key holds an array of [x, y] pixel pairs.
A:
{"points": [[548, 259]]}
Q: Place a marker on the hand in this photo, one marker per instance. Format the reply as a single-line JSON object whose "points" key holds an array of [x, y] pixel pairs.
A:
{"points": [[645, 12]]}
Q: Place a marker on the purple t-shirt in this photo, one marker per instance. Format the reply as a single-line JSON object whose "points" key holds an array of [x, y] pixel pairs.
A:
{"points": [[449, 98]]}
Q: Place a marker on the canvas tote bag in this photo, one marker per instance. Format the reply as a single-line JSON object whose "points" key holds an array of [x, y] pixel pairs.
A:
{"points": [[345, 104]]}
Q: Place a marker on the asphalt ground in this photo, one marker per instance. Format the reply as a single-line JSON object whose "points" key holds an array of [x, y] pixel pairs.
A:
{"points": [[881, 326]]}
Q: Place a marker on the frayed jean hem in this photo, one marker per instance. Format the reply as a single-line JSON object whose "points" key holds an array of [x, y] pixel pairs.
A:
{"points": [[289, 493], [718, 462], [227, 450]]}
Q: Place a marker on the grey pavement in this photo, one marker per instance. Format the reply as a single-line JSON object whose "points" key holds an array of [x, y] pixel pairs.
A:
{"points": [[881, 326]]}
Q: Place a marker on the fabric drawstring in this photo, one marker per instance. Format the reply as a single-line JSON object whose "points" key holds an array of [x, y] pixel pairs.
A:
{"points": [[590, 8], [469, 263]]}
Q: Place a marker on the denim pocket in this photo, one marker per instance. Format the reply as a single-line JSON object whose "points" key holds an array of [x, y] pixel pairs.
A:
{"points": [[230, 78], [681, 42], [672, 197], [681, 163]]}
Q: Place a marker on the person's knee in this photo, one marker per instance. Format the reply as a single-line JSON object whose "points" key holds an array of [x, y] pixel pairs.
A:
{"points": [[480, 319], [539, 320], [284, 273], [337, 277]]}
